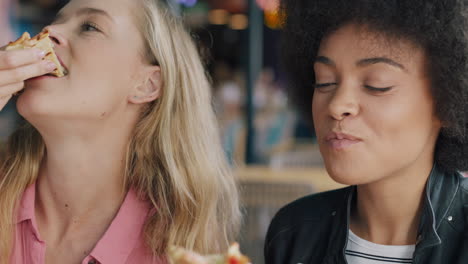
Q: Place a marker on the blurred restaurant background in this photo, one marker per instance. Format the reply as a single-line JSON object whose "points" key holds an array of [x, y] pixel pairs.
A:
{"points": [[270, 147]]}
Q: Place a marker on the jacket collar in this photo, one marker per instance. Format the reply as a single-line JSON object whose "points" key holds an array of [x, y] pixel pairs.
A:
{"points": [[441, 189], [339, 236]]}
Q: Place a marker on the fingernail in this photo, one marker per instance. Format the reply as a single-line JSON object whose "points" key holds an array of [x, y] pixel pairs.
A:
{"points": [[50, 66], [40, 54]]}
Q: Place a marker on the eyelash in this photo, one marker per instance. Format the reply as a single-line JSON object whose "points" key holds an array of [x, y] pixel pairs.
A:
{"points": [[323, 85], [385, 89], [86, 24], [375, 89]]}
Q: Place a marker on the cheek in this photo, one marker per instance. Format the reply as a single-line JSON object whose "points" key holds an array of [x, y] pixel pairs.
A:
{"points": [[99, 64], [319, 111], [99, 56], [405, 117], [102, 75], [403, 128]]}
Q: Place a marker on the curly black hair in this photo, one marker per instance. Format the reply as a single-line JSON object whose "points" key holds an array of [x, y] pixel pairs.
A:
{"points": [[440, 27]]}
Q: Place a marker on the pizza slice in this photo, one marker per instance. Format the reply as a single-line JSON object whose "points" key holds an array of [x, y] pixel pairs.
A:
{"points": [[233, 256], [43, 42]]}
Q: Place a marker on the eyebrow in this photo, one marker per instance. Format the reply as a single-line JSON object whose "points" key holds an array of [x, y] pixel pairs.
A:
{"points": [[363, 62], [370, 61], [87, 11], [324, 60]]}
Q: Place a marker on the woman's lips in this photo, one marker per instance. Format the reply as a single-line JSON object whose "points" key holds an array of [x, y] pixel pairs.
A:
{"points": [[338, 140], [341, 143], [42, 77], [62, 64]]}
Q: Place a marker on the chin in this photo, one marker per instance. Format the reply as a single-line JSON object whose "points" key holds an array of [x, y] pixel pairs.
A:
{"points": [[31, 105], [349, 174]]}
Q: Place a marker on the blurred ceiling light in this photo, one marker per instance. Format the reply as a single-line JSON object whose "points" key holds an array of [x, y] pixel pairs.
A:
{"points": [[218, 17], [232, 6], [268, 5], [273, 19], [239, 22]]}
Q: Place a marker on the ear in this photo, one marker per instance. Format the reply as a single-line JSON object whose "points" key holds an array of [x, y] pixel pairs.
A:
{"points": [[149, 89]]}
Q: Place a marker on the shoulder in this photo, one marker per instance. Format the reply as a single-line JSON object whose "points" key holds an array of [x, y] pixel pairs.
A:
{"points": [[305, 222], [451, 205], [312, 208], [463, 183], [143, 254], [463, 192]]}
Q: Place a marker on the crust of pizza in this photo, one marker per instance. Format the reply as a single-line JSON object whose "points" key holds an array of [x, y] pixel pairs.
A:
{"points": [[179, 255], [43, 42], [234, 256]]}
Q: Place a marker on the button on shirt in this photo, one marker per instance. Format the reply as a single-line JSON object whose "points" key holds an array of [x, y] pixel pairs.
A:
{"points": [[122, 243]]}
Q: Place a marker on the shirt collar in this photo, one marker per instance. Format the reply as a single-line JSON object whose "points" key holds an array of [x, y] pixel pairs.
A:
{"points": [[121, 238], [125, 232], [26, 206]]}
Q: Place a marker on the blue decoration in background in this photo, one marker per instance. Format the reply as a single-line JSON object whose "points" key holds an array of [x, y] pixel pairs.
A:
{"points": [[187, 3]]}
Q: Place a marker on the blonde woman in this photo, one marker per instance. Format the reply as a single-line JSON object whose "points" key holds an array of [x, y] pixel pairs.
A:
{"points": [[120, 158]]}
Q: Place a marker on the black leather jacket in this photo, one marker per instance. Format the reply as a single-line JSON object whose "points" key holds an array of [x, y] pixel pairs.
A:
{"points": [[314, 229]]}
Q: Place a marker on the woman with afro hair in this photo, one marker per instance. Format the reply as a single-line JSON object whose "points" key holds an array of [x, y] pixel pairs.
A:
{"points": [[386, 84]]}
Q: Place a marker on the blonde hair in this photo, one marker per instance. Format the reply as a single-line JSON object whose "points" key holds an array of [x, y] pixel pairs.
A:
{"points": [[174, 160]]}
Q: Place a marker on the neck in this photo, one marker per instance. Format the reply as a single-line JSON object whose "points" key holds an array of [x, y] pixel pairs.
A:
{"points": [[388, 211], [81, 183]]}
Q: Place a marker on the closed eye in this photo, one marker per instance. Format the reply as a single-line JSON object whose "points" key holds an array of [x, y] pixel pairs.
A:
{"points": [[377, 89], [323, 85]]}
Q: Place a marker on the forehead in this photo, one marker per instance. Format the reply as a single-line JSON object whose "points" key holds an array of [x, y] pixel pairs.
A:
{"points": [[119, 10], [122, 28], [357, 42]]}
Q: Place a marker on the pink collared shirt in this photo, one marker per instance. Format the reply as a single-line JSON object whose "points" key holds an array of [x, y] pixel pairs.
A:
{"points": [[122, 243]]}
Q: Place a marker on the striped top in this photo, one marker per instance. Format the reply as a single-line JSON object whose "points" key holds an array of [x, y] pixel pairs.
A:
{"points": [[360, 251]]}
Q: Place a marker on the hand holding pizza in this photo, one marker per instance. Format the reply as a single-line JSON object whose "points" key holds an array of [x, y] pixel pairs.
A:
{"points": [[24, 59]]}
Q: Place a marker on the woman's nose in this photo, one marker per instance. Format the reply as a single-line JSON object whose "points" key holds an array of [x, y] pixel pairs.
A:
{"points": [[58, 38], [343, 103]]}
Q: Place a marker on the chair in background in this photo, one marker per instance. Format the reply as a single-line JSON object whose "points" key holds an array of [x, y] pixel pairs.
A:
{"points": [[261, 201], [302, 158]]}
